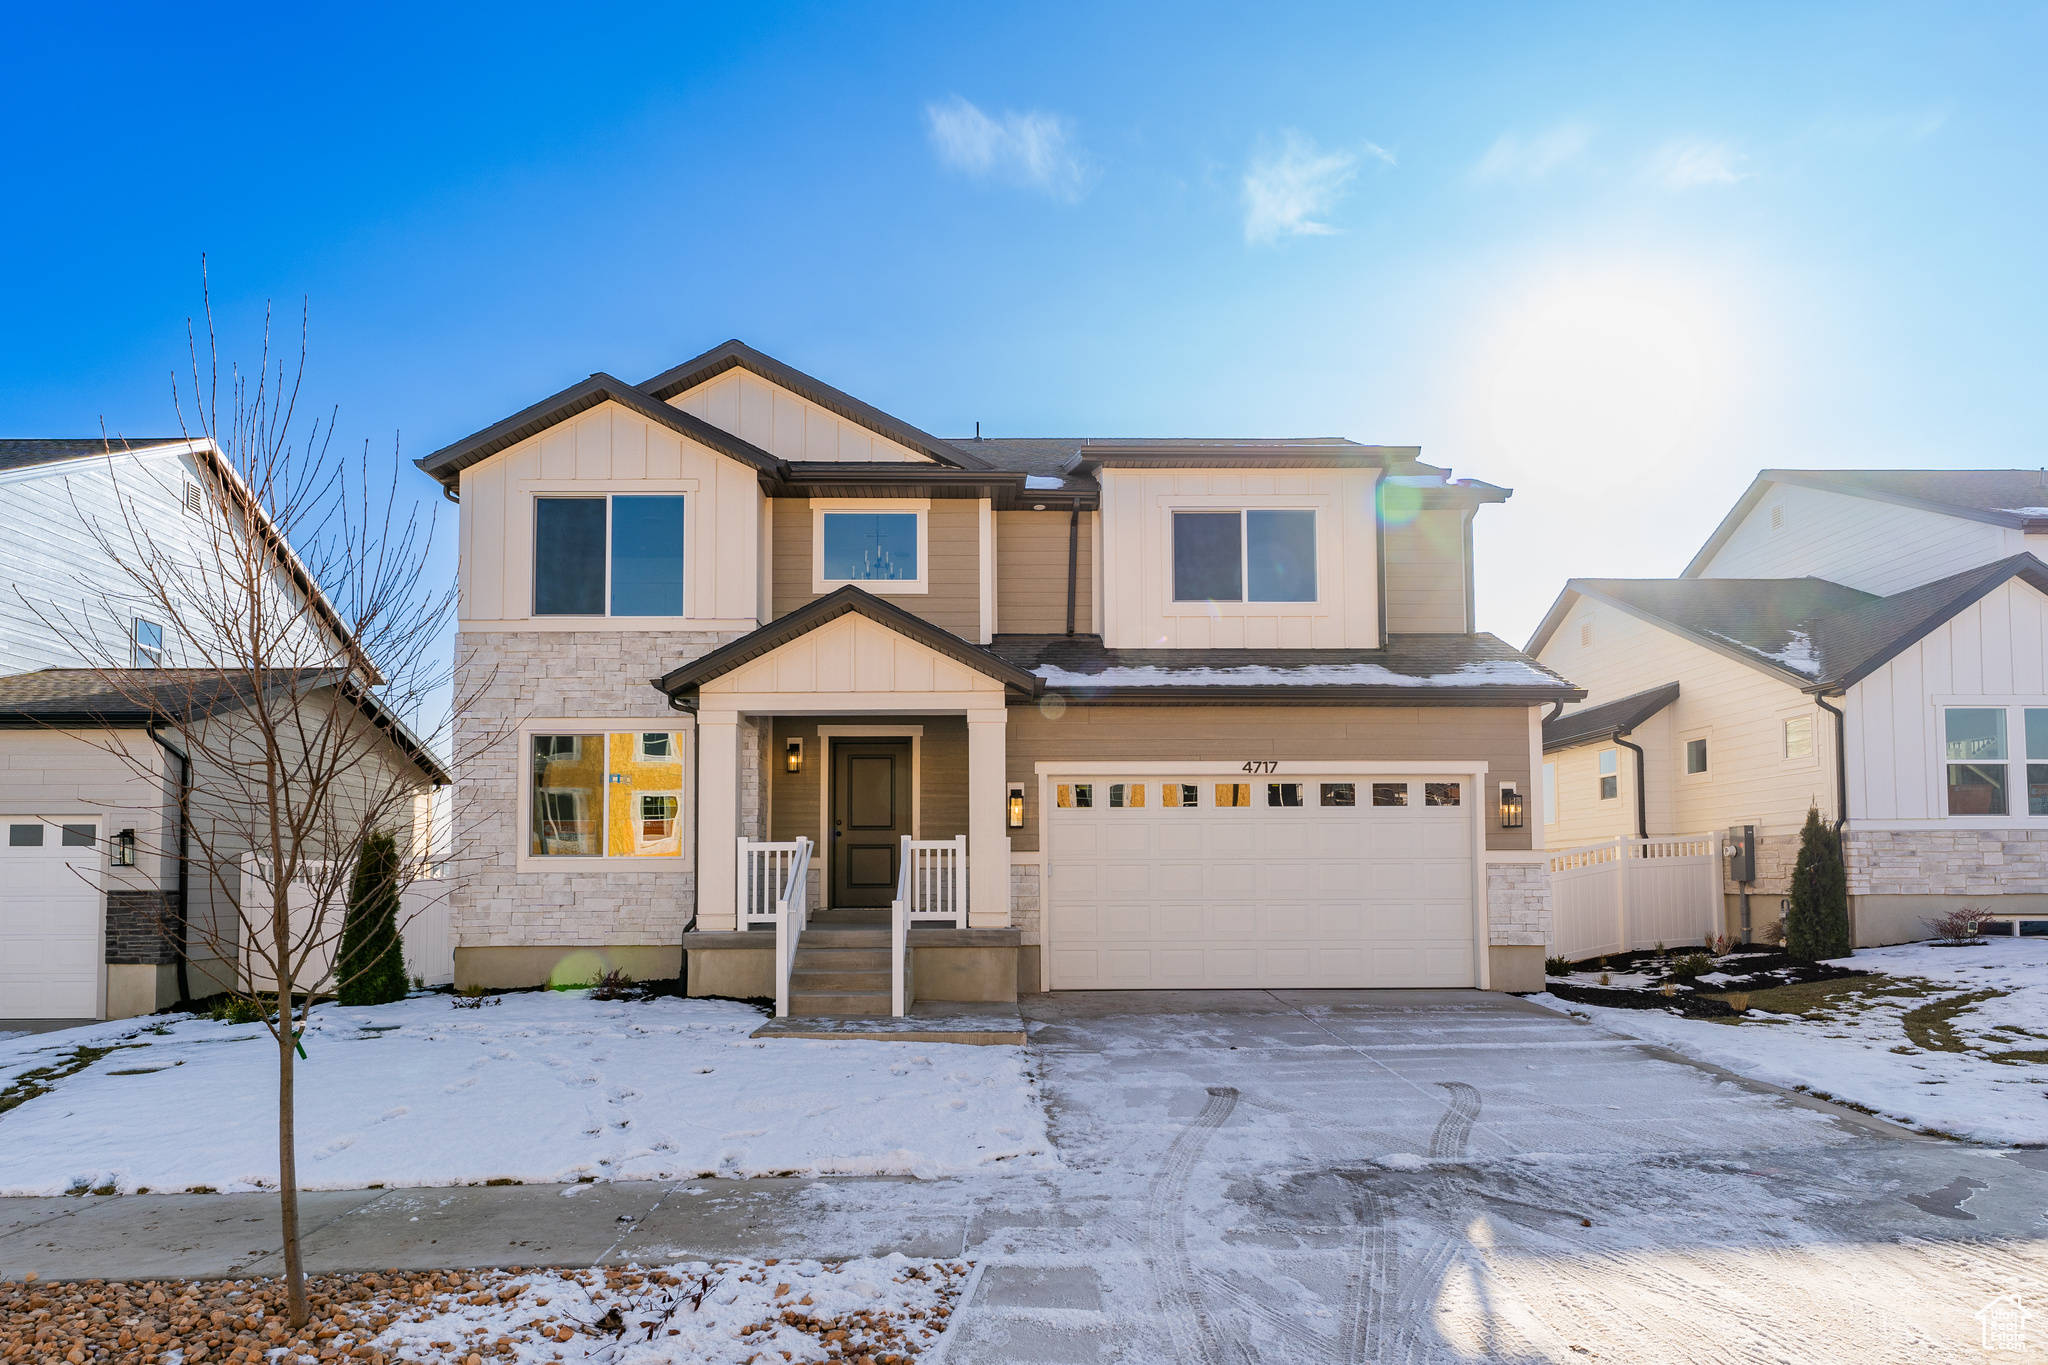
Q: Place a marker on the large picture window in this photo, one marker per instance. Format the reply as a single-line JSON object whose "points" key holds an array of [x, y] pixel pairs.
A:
{"points": [[599, 795], [617, 556], [1259, 555]]}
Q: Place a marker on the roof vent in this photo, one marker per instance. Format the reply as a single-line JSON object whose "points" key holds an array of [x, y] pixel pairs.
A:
{"points": [[1778, 516], [1585, 633], [191, 497]]}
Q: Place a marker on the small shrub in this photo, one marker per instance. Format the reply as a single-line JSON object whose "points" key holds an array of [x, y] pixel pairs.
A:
{"points": [[1606, 980], [1667, 990], [371, 964], [1557, 966], [238, 1009], [614, 985], [1739, 1001], [1817, 925], [1958, 928], [1689, 967], [1773, 933], [473, 998]]}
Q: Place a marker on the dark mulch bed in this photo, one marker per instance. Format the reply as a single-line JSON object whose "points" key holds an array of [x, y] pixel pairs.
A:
{"points": [[1681, 1002]]}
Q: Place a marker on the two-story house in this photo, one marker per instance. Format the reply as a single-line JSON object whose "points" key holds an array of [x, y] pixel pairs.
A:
{"points": [[105, 909], [1206, 713], [1873, 643]]}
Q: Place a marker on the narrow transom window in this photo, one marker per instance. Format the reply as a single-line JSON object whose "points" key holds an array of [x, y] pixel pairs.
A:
{"points": [[1257, 555]]}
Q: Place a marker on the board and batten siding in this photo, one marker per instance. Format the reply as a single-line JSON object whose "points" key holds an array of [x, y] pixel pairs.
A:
{"points": [[1426, 569], [1739, 710], [1137, 571], [1861, 543], [1992, 653], [609, 449], [783, 424], [794, 798], [1295, 735], [1031, 574], [953, 538]]}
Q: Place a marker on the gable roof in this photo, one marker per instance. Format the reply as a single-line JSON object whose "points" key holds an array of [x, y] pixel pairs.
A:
{"points": [[2016, 498], [1606, 720], [26, 454], [1817, 636], [447, 463], [138, 698], [1426, 670], [737, 354], [831, 607]]}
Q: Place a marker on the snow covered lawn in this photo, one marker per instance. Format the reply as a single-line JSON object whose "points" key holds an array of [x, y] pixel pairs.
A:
{"points": [[1946, 1039], [547, 1087]]}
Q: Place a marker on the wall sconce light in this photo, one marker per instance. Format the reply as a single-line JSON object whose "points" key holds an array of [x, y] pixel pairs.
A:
{"points": [[793, 756], [1016, 807], [124, 848], [1510, 808]]}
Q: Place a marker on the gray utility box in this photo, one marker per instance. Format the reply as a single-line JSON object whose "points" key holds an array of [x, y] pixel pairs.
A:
{"points": [[1741, 853]]}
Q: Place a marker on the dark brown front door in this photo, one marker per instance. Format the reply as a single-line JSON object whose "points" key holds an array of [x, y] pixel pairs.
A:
{"points": [[870, 816]]}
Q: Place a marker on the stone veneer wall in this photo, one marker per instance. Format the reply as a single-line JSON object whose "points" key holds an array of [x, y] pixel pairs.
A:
{"points": [[1024, 900], [1518, 904], [598, 674], [1962, 862], [142, 928]]}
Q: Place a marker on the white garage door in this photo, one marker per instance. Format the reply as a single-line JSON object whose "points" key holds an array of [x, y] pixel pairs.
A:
{"points": [[50, 948], [1286, 881]]}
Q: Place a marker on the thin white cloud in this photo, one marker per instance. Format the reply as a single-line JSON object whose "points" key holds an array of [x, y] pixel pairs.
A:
{"points": [[1680, 166], [1526, 160], [1036, 149], [1289, 189]]}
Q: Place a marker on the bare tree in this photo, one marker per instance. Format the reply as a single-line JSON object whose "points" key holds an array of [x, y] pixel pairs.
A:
{"points": [[305, 636]]}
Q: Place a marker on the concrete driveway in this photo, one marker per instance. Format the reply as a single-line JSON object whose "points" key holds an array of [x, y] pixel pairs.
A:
{"points": [[1295, 1176]]}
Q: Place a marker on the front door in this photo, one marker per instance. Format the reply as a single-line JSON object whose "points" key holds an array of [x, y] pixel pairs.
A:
{"points": [[870, 816]]}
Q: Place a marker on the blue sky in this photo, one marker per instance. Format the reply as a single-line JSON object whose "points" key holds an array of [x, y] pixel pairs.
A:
{"points": [[1618, 257]]}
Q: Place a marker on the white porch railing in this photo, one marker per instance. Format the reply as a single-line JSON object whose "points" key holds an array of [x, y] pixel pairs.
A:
{"points": [[931, 884], [899, 933], [763, 877], [1622, 895]]}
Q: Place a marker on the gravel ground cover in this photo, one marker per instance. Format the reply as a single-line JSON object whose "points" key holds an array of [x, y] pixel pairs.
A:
{"points": [[885, 1311]]}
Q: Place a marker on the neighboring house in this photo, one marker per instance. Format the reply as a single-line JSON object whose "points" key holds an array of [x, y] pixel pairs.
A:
{"points": [[99, 915], [1868, 642], [1205, 712]]}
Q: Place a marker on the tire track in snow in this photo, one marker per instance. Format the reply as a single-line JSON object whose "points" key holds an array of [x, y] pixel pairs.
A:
{"points": [[1366, 1289], [1180, 1297], [1454, 1129]]}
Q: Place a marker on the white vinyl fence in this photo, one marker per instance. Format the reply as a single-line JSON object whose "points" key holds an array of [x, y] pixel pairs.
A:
{"points": [[1628, 894], [422, 916]]}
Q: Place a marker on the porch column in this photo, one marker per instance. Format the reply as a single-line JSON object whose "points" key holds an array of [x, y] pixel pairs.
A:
{"points": [[988, 845], [718, 818]]}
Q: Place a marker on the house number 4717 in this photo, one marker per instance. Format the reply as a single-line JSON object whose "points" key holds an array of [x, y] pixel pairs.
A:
{"points": [[1262, 765]]}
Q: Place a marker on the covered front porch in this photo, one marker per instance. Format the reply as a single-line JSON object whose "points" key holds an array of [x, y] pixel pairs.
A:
{"points": [[852, 850]]}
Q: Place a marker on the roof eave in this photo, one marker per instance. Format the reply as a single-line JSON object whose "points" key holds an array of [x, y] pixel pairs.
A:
{"points": [[1325, 694], [1800, 681]]}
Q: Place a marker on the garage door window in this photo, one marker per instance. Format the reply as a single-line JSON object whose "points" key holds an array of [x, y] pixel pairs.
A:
{"points": [[1390, 793], [79, 836], [1233, 793], [24, 836], [1129, 796], [1283, 793], [1074, 795], [1440, 793], [1340, 793], [1180, 795]]}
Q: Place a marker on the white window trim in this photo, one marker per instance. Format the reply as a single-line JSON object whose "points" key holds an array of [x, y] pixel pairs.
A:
{"points": [[1812, 755], [1224, 502], [881, 587], [607, 489], [681, 724], [1706, 735], [2015, 761], [1599, 778]]}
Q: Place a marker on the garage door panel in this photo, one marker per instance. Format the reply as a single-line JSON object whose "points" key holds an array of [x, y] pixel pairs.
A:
{"points": [[51, 946], [1241, 896]]}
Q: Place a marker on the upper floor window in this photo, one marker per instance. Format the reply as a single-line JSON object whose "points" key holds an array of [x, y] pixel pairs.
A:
{"points": [[1257, 555], [149, 644], [620, 555], [882, 548]]}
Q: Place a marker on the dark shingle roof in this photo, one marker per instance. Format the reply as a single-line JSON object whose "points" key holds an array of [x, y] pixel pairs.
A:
{"points": [[26, 453], [1434, 669], [1818, 636], [1609, 718]]}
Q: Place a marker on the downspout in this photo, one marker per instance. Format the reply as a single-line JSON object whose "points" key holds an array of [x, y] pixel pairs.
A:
{"points": [[1073, 560], [184, 854], [1841, 767], [697, 844], [1642, 798]]}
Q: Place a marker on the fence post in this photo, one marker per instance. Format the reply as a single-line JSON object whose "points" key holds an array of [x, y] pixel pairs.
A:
{"points": [[1621, 933]]}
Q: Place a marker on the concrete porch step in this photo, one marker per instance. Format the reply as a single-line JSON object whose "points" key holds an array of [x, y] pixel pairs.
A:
{"points": [[815, 937], [807, 979], [811, 1004], [873, 959]]}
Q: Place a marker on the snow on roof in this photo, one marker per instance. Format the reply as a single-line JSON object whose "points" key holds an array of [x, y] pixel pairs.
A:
{"points": [[1043, 481], [1797, 655], [1489, 673]]}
